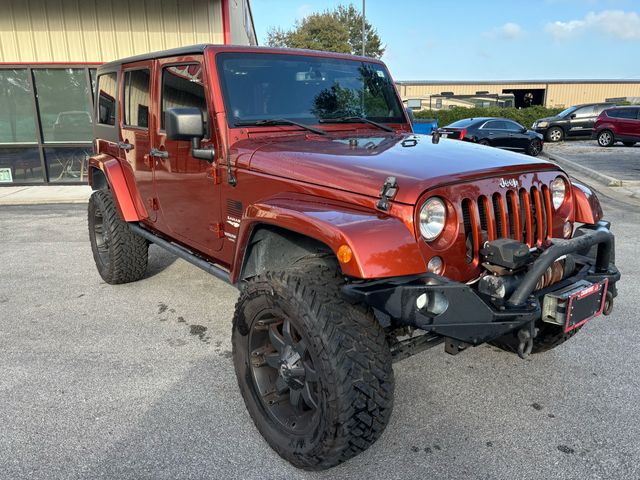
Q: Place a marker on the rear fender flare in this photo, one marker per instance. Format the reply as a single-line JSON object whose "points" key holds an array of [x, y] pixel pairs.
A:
{"points": [[129, 204], [382, 246]]}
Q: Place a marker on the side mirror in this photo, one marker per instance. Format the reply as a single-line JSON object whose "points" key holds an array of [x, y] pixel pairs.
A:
{"points": [[573, 115], [410, 115], [187, 124], [525, 129]]}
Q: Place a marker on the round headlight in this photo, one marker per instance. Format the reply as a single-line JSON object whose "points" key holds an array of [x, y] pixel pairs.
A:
{"points": [[432, 217], [558, 192]]}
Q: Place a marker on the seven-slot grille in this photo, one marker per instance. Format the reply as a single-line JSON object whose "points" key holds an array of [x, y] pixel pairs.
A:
{"points": [[522, 214]]}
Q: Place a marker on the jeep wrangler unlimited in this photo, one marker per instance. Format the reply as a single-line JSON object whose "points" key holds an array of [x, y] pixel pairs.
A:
{"points": [[295, 176]]}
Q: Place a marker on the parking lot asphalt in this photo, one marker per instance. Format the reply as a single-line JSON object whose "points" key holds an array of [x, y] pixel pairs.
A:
{"points": [[619, 162], [136, 381]]}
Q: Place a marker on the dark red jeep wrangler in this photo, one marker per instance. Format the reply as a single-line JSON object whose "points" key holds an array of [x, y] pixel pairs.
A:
{"points": [[295, 175]]}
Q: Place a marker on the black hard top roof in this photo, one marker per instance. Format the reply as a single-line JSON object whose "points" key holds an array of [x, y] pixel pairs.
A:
{"points": [[173, 52]]}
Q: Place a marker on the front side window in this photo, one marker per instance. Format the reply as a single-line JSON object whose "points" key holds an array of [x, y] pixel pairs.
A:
{"points": [[135, 101], [495, 125], [305, 89], [584, 112], [182, 86], [107, 86], [513, 127]]}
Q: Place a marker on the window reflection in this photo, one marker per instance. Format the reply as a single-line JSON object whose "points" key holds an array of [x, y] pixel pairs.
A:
{"points": [[20, 165], [17, 119], [67, 164]]}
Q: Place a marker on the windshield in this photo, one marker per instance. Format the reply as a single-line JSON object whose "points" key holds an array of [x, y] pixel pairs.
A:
{"points": [[305, 89], [567, 111]]}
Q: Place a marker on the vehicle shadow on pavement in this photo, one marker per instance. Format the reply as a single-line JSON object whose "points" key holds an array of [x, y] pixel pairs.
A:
{"points": [[159, 260]]}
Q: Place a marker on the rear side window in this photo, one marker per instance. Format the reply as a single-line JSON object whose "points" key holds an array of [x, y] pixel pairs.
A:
{"points": [[135, 98], [631, 113], [107, 87], [182, 86]]}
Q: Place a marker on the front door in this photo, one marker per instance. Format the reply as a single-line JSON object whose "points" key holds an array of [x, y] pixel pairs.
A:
{"points": [[187, 194], [135, 126]]}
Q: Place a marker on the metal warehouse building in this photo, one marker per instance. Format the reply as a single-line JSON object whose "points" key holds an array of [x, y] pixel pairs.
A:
{"points": [[549, 93], [49, 50]]}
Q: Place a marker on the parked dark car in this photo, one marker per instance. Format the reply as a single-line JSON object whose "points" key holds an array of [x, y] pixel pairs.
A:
{"points": [[574, 121], [620, 124], [495, 132]]}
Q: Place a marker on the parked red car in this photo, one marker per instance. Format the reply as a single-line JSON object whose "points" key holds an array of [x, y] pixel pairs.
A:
{"points": [[619, 124]]}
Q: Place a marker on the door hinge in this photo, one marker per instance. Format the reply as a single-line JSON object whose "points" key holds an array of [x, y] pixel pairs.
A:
{"points": [[218, 229]]}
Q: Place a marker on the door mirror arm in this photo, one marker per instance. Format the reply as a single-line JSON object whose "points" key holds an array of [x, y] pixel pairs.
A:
{"points": [[208, 154]]}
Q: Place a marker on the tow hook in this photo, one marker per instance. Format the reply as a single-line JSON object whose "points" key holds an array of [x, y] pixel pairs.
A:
{"points": [[526, 336]]}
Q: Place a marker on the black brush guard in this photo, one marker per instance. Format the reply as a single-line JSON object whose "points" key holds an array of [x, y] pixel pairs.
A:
{"points": [[459, 312]]}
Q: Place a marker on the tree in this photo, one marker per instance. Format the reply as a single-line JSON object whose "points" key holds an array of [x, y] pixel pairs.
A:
{"points": [[339, 30]]}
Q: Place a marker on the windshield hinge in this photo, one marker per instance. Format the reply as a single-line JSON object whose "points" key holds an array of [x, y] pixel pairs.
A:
{"points": [[387, 192]]}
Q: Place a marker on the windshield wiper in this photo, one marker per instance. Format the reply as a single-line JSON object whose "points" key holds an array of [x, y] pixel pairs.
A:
{"points": [[277, 121], [356, 119]]}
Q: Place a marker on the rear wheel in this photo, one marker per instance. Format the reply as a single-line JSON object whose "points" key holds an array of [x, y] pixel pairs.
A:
{"points": [[555, 134], [484, 141], [120, 255], [628, 144], [314, 371], [606, 138], [534, 148]]}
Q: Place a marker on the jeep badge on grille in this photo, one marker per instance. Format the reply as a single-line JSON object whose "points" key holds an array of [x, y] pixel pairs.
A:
{"points": [[509, 182]]}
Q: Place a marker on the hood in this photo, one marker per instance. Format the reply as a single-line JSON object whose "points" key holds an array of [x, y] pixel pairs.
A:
{"points": [[361, 163], [549, 119]]}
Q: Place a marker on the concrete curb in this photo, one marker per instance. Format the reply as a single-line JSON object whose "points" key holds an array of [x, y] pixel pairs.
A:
{"points": [[600, 177], [44, 195]]}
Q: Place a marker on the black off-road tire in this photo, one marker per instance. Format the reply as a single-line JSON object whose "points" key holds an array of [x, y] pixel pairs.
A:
{"points": [[549, 337], [350, 356], [120, 255], [554, 134], [534, 148]]}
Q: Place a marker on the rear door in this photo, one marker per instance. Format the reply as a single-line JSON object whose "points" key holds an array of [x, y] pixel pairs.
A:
{"points": [[497, 134], [135, 124], [186, 187]]}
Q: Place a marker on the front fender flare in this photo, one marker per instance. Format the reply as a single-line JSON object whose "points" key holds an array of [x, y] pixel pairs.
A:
{"points": [[383, 246], [587, 205]]}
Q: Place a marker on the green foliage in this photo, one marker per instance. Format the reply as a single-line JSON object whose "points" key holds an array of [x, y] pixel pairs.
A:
{"points": [[338, 30], [524, 116]]}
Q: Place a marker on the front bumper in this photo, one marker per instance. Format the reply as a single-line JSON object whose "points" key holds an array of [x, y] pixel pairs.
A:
{"points": [[458, 311]]}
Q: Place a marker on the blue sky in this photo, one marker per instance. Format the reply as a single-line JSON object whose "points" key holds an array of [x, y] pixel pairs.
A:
{"points": [[491, 39]]}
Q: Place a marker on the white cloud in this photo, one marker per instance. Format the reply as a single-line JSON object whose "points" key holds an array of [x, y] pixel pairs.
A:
{"points": [[616, 23], [509, 31]]}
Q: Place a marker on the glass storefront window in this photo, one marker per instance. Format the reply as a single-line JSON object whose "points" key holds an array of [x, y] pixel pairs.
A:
{"points": [[17, 119], [67, 164], [20, 165], [64, 105]]}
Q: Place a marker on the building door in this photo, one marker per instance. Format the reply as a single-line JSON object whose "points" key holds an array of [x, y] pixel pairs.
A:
{"points": [[134, 131], [187, 194]]}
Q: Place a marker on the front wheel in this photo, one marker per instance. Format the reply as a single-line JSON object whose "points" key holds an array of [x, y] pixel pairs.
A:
{"points": [[606, 138], [534, 148], [314, 371], [555, 134]]}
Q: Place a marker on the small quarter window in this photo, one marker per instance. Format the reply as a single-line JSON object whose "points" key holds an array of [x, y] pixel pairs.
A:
{"points": [[107, 87], [135, 101]]}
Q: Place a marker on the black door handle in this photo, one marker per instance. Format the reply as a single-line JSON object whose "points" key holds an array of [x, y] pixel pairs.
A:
{"points": [[159, 153], [125, 146]]}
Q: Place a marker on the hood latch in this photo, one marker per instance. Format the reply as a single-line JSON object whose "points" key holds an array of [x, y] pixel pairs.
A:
{"points": [[387, 192]]}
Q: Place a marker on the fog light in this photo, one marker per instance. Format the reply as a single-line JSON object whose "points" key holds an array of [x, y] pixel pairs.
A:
{"points": [[421, 301], [567, 230], [435, 265]]}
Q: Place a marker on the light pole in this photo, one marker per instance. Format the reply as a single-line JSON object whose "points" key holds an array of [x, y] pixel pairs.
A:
{"points": [[364, 35]]}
